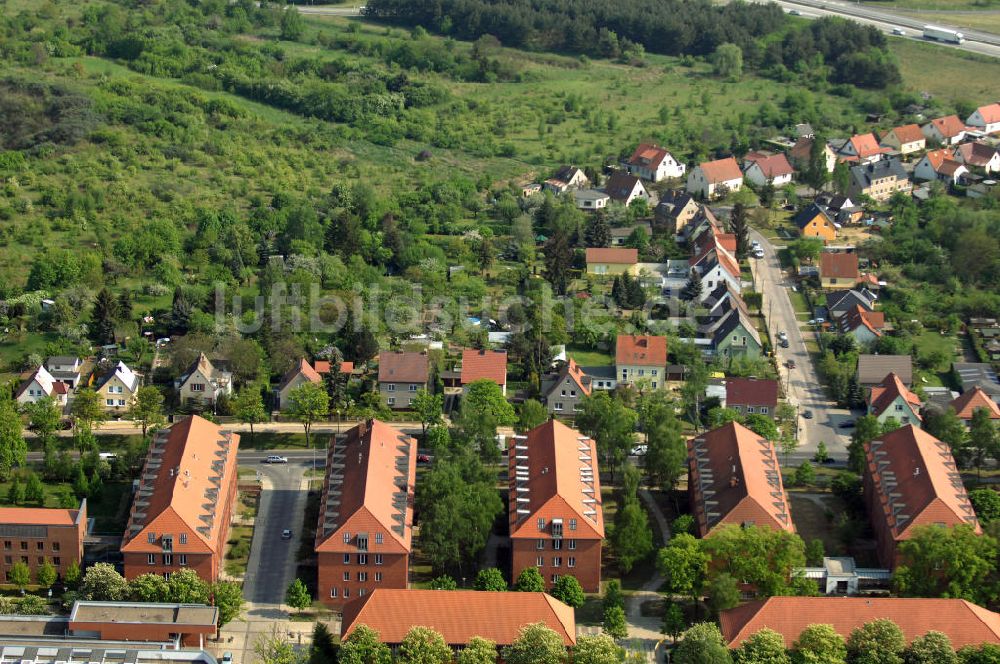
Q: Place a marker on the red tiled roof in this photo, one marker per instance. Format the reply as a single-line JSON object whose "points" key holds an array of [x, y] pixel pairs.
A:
{"points": [[189, 490], [865, 145], [972, 400], [37, 516], [922, 467], [60, 387], [752, 391], [975, 154], [648, 155], [839, 266], [484, 365], [882, 396], [949, 126], [774, 166], [721, 170], [963, 622], [402, 367], [323, 367], [615, 256], [560, 482], [990, 113], [641, 350], [379, 463], [573, 370], [458, 615], [304, 369], [743, 479], [858, 316], [908, 133]]}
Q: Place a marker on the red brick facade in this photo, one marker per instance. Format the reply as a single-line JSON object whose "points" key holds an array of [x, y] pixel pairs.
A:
{"points": [[365, 572], [580, 558], [36, 535]]}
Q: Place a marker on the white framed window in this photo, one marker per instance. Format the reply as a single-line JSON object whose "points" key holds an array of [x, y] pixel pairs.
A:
{"points": [[390, 387], [362, 576], [151, 559], [750, 409], [347, 577], [556, 561], [184, 538], [121, 402], [556, 544], [333, 593], [557, 405], [362, 558], [571, 544], [654, 372], [540, 561], [571, 561], [347, 537], [183, 560], [764, 410], [347, 593], [378, 577], [378, 558], [361, 592], [378, 538], [541, 523], [197, 387], [540, 544], [413, 387], [391, 401], [168, 559], [109, 402], [642, 372], [562, 393], [347, 559], [555, 578], [572, 524]]}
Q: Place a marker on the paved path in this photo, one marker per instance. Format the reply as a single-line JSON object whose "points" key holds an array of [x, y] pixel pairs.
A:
{"points": [[803, 386], [644, 631]]}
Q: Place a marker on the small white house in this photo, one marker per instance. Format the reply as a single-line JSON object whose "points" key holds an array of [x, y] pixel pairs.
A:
{"points": [[39, 385], [651, 162], [939, 165], [986, 119], [774, 169], [590, 199], [715, 178]]}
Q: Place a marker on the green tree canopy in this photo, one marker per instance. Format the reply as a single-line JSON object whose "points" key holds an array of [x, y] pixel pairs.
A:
{"points": [[103, 583], [568, 591], [364, 646], [597, 649], [877, 642], [535, 644], [530, 581], [308, 403], [478, 651], [948, 562], [147, 408], [702, 644], [490, 579], [423, 645], [763, 647], [931, 648], [298, 596], [610, 423]]}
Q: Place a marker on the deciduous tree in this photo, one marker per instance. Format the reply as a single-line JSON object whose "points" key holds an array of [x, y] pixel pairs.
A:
{"points": [[423, 645], [936, 561], [568, 591], [428, 408], [763, 647], [877, 642], [702, 644], [147, 408], [597, 649], [298, 596], [535, 644], [364, 646], [19, 575], [819, 644], [478, 651], [13, 449], [46, 574], [530, 581], [249, 407], [931, 648], [531, 414], [103, 583], [308, 403], [490, 579], [610, 423]]}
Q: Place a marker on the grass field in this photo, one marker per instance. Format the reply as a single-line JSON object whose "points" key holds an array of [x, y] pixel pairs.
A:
{"points": [[810, 521], [942, 5], [588, 358], [985, 21], [946, 73]]}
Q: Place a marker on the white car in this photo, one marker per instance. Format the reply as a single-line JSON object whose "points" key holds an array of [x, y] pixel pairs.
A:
{"points": [[794, 12], [758, 253], [899, 31], [274, 458], [782, 336], [639, 450]]}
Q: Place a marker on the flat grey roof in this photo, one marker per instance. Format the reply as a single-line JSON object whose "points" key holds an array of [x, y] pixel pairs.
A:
{"points": [[144, 612]]}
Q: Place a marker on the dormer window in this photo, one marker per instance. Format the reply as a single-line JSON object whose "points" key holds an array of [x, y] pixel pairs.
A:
{"points": [[362, 541], [151, 537], [168, 543]]}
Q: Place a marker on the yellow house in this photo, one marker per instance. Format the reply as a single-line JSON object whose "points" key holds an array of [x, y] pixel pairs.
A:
{"points": [[117, 388], [838, 271], [813, 221], [618, 260]]}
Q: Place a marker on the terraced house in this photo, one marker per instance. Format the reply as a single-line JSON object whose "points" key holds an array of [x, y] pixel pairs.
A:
{"points": [[182, 509]]}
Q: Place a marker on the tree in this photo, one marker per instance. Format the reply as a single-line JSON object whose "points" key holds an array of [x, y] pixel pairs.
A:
{"points": [[702, 644], [841, 177], [631, 538], [535, 644], [693, 288], [613, 594], [80, 485], [947, 562], [86, 409], [364, 646], [423, 645], [815, 174], [428, 408], [72, 575], [103, 316], [762, 425], [443, 582], [34, 490], [292, 25], [249, 407], [186, 587], [149, 588], [931, 648], [46, 574], [43, 417], [666, 450], [723, 593], [674, 623], [308, 403], [597, 233], [986, 653], [19, 575], [740, 227], [324, 648], [596, 649], [983, 439], [610, 424], [819, 644], [530, 581], [805, 474], [228, 597], [478, 651], [815, 552], [756, 555], [13, 449], [763, 647], [490, 579], [948, 428], [822, 454], [866, 429], [532, 414], [877, 642], [15, 495], [103, 583], [298, 596], [147, 409], [274, 648], [568, 591], [684, 564], [727, 62], [986, 502], [558, 254], [483, 409]]}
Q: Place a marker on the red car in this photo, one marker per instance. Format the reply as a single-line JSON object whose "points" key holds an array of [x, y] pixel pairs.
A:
{"points": [[423, 458], [790, 364]]}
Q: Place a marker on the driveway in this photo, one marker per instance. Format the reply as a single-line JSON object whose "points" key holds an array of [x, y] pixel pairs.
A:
{"points": [[802, 384], [272, 562]]}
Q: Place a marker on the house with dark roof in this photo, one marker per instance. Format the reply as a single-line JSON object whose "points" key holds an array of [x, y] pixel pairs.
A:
{"points": [[972, 400], [979, 156], [184, 502], [590, 199], [675, 209], [964, 623], [364, 534], [838, 270], [621, 234], [947, 130], [641, 359], [714, 179], [735, 335], [911, 480], [563, 391], [977, 374], [204, 382], [879, 180], [488, 365], [749, 396], [800, 152], [905, 139], [616, 260], [840, 302], [401, 374], [892, 399], [624, 188], [556, 517], [734, 479], [813, 221], [654, 163], [457, 615], [566, 178], [872, 369]]}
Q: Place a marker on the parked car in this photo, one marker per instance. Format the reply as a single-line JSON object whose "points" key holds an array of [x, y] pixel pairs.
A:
{"points": [[639, 450], [783, 343], [274, 458], [286, 534], [794, 12], [846, 424], [782, 335], [807, 414], [423, 459], [790, 364], [227, 658]]}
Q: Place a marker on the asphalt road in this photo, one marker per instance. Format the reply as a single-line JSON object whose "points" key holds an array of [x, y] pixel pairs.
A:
{"points": [[802, 384]]}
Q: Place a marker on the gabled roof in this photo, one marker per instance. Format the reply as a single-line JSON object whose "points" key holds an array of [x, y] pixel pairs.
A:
{"points": [[402, 367], [566, 174], [840, 265], [907, 133], [733, 467], [672, 201], [914, 473], [752, 391], [802, 148], [774, 165], [621, 185], [972, 400], [40, 376], [975, 154], [963, 622], [648, 155], [872, 369], [484, 365], [304, 369], [185, 482], [323, 367], [554, 474], [368, 490], [205, 366], [613, 255], [641, 350], [572, 370], [808, 213], [863, 175], [848, 299], [458, 615], [990, 113], [865, 145], [892, 388], [949, 126], [626, 231], [857, 316], [721, 170], [937, 159], [121, 371], [730, 322]]}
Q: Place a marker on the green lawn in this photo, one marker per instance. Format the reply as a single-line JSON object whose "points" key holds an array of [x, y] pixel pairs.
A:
{"points": [[238, 550], [946, 73], [589, 358], [930, 344]]}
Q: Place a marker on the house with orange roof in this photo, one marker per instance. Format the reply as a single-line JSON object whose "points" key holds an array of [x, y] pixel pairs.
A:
{"points": [[861, 149], [939, 165], [641, 358], [964, 623], [972, 400], [654, 163], [364, 535], [838, 270], [714, 179], [948, 130], [39, 385], [488, 365], [563, 392], [614, 260], [893, 399], [772, 169], [184, 503], [556, 517], [401, 374], [734, 479], [34, 536], [911, 480], [986, 119], [458, 615], [863, 324], [905, 139]]}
